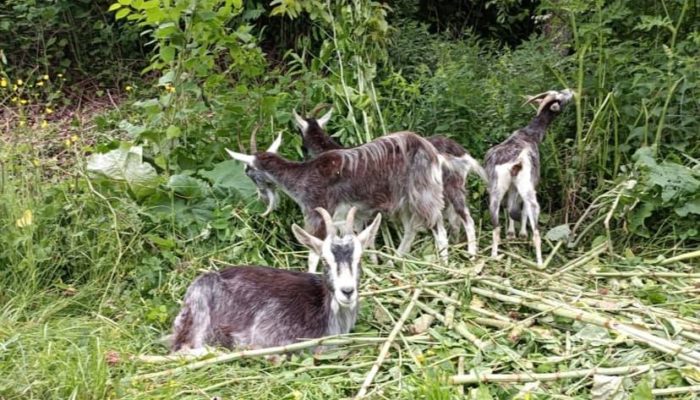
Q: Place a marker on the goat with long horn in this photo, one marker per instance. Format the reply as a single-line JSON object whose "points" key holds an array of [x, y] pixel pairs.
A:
{"points": [[398, 175], [513, 168], [455, 170]]}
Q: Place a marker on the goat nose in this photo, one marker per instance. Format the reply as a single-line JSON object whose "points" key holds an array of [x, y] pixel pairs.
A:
{"points": [[348, 292]]}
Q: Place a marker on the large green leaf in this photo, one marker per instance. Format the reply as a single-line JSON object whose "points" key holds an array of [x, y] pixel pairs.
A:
{"points": [[230, 176], [188, 187], [125, 165]]}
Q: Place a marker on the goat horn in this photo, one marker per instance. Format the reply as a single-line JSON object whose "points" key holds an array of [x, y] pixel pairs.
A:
{"points": [[254, 139], [530, 99], [330, 227], [319, 107], [350, 221]]}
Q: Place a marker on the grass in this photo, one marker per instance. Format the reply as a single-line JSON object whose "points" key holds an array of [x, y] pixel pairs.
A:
{"points": [[86, 287]]}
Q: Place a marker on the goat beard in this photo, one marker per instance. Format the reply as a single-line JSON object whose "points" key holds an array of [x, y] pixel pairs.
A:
{"points": [[268, 197]]}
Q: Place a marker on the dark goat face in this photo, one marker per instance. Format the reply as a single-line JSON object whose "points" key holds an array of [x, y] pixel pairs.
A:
{"points": [[263, 183], [304, 124], [341, 255], [552, 100]]}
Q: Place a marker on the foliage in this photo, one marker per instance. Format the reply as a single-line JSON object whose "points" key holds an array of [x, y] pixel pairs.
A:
{"points": [[76, 38], [107, 219]]}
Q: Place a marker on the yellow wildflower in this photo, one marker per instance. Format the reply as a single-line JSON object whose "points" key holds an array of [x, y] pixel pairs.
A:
{"points": [[44, 124], [128, 88], [45, 77], [169, 89], [14, 87], [60, 75], [297, 395], [23, 101], [49, 110], [40, 83], [36, 162], [20, 82], [22, 123], [67, 142], [3, 82], [26, 219], [74, 138], [15, 99]]}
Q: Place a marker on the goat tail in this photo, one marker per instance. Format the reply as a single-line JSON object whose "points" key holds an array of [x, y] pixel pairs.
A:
{"points": [[474, 165], [192, 325]]}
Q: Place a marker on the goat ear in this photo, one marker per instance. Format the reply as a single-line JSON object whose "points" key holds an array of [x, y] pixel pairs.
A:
{"points": [[312, 242], [324, 120], [244, 158], [555, 107], [366, 237], [300, 122], [275, 145]]}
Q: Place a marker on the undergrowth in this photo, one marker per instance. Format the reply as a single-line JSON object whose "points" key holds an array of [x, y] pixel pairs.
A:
{"points": [[109, 211]]}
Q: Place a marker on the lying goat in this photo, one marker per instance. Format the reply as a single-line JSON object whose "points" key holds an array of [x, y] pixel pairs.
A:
{"points": [[454, 171], [260, 307], [398, 175], [513, 167]]}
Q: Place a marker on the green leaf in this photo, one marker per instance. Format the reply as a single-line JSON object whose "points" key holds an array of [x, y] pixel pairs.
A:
{"points": [[173, 132], [122, 13], [167, 53], [187, 186], [230, 175], [557, 233], [690, 207], [114, 6], [642, 391], [126, 166], [124, 2]]}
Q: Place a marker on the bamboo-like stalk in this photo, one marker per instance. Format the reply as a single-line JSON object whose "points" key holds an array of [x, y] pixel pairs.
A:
{"points": [[416, 286], [460, 327], [325, 341], [529, 377], [563, 310], [387, 344], [551, 255], [681, 257], [579, 261], [649, 274], [676, 390], [450, 311]]}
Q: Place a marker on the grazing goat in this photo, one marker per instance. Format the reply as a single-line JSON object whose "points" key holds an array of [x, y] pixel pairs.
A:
{"points": [[397, 175], [513, 167], [258, 307], [458, 164]]}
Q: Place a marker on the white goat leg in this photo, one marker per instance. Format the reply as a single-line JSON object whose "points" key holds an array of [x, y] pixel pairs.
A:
{"points": [[313, 262], [441, 241]]}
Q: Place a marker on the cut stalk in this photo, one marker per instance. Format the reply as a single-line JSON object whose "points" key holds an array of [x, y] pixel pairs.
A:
{"points": [[528, 377], [387, 344]]}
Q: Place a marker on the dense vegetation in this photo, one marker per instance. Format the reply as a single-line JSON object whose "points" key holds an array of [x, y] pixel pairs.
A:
{"points": [[116, 190]]}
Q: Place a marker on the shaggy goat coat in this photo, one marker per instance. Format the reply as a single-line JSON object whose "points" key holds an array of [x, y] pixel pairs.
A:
{"points": [[315, 140]]}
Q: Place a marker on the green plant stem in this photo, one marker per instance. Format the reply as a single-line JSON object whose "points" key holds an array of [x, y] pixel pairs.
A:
{"points": [[387, 344], [531, 377]]}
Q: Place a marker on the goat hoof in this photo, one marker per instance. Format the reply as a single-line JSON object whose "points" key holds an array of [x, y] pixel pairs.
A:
{"points": [[510, 235], [522, 235]]}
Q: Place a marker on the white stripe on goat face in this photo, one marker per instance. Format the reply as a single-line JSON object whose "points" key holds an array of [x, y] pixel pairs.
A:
{"points": [[342, 256]]}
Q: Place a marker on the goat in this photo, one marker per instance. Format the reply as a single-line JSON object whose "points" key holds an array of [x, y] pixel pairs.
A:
{"points": [[513, 167], [459, 163], [258, 307], [397, 175]]}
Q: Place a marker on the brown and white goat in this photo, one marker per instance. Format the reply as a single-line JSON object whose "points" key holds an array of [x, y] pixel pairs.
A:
{"points": [[398, 175], [455, 170], [513, 167], [258, 307]]}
